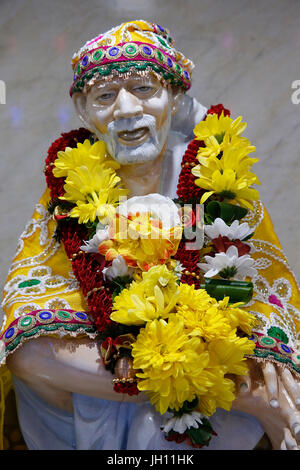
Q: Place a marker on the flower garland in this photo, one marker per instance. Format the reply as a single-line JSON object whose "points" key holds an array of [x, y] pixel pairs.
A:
{"points": [[168, 328]]}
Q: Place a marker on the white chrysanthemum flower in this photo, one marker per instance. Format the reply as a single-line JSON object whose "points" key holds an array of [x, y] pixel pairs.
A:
{"points": [[187, 420], [91, 246], [118, 268], [233, 232], [178, 269], [229, 265]]}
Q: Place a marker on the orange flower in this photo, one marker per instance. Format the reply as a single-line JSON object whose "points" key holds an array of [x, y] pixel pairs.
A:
{"points": [[140, 240]]}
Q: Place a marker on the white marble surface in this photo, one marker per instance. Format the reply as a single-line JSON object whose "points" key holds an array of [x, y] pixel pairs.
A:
{"points": [[246, 54]]}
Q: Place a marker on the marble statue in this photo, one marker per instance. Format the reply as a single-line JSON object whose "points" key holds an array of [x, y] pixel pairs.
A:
{"points": [[135, 101]]}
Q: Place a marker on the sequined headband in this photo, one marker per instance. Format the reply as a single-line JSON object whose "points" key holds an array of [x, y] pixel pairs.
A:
{"points": [[137, 45]]}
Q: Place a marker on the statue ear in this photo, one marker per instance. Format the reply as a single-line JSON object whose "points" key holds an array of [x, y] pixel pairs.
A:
{"points": [[177, 97], [79, 100]]}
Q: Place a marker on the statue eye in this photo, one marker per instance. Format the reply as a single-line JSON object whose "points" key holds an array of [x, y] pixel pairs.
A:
{"points": [[106, 96], [143, 89]]}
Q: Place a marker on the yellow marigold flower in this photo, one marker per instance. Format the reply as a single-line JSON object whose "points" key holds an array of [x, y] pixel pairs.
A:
{"points": [[205, 317], [237, 317], [234, 158], [96, 193], [213, 147], [207, 405], [163, 277], [209, 325], [224, 167], [229, 354], [219, 132], [201, 328], [131, 307], [194, 298], [200, 313], [215, 125], [228, 176], [88, 212], [220, 395], [87, 154], [153, 297], [83, 181], [167, 357], [229, 185]]}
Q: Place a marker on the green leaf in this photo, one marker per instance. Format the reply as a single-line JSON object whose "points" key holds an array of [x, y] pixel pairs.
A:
{"points": [[186, 407], [213, 209], [248, 238], [240, 212], [202, 434], [237, 291], [224, 210], [92, 228], [120, 283], [115, 293]]}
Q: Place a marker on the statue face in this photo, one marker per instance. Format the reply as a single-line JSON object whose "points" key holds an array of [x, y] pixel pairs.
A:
{"points": [[132, 115]]}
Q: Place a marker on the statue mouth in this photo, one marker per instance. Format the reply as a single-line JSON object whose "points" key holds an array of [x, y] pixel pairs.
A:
{"points": [[135, 137]]}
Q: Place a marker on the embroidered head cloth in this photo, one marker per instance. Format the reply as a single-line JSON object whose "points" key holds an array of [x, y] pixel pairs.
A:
{"points": [[138, 45]]}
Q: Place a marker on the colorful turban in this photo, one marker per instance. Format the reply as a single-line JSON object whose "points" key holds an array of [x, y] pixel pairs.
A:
{"points": [[138, 45]]}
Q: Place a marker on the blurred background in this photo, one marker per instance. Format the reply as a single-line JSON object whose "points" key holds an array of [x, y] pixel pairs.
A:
{"points": [[247, 56]]}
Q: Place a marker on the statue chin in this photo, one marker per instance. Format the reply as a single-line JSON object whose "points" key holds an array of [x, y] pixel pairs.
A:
{"points": [[142, 153], [146, 152]]}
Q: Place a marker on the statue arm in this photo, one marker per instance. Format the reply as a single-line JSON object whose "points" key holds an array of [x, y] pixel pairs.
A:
{"points": [[280, 419], [271, 392], [55, 368]]}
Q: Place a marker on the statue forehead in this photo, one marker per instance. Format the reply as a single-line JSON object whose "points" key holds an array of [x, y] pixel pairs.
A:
{"points": [[136, 46], [97, 81]]}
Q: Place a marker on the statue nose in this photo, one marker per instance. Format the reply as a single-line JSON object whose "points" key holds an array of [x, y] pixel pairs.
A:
{"points": [[127, 105]]}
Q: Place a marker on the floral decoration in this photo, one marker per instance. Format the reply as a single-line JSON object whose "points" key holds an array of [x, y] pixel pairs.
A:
{"points": [[162, 330]]}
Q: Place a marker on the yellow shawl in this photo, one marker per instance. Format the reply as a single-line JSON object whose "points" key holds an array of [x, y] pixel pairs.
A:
{"points": [[42, 296]]}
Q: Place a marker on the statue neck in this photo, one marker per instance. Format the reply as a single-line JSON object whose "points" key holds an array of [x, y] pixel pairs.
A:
{"points": [[143, 178]]}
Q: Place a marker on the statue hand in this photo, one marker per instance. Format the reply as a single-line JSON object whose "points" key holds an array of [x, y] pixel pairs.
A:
{"points": [[272, 394]]}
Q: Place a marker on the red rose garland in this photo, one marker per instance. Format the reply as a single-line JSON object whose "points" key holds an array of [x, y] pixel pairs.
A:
{"points": [[189, 259], [218, 109], [67, 139], [188, 192], [86, 267], [186, 188]]}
